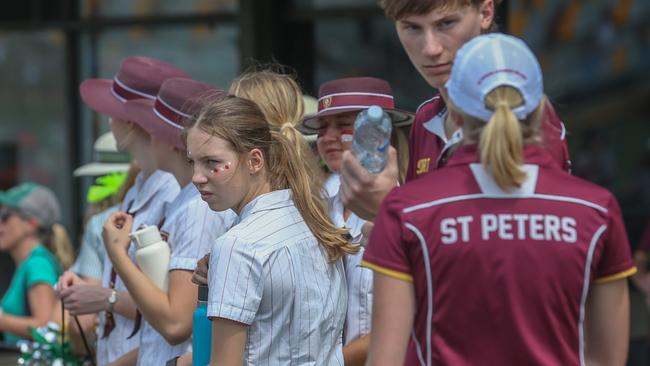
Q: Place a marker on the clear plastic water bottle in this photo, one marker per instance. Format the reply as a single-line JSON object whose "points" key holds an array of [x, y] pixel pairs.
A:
{"points": [[372, 130]]}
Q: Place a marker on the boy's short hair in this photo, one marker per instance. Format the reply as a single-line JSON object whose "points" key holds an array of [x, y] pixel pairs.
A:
{"points": [[399, 9]]}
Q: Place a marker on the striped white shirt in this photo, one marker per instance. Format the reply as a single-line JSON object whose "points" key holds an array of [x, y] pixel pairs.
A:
{"points": [[359, 279], [146, 200], [191, 227], [90, 261], [270, 273]]}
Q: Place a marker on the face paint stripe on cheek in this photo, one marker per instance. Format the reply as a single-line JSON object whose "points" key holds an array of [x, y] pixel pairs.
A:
{"points": [[347, 135], [225, 167]]}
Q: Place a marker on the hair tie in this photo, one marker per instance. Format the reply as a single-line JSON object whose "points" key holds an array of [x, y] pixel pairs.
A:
{"points": [[502, 103], [286, 125]]}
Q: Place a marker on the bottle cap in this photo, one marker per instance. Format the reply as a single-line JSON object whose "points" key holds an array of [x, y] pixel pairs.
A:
{"points": [[203, 292], [146, 236], [375, 112]]}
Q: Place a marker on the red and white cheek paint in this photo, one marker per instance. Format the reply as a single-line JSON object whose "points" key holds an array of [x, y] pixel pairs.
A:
{"points": [[347, 135], [221, 168]]}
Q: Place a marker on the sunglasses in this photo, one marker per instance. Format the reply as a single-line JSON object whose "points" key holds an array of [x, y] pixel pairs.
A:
{"points": [[6, 213]]}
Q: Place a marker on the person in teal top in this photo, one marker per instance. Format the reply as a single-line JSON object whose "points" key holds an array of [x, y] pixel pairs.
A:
{"points": [[30, 234]]}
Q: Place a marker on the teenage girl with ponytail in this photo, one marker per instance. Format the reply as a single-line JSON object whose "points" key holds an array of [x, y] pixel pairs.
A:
{"points": [[276, 278], [512, 261], [280, 100], [40, 248]]}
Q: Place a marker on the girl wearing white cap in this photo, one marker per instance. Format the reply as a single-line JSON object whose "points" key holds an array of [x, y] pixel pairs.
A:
{"points": [[189, 227], [513, 261], [276, 278], [29, 215]]}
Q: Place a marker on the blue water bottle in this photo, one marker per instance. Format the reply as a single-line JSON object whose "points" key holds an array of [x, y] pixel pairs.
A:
{"points": [[201, 330]]}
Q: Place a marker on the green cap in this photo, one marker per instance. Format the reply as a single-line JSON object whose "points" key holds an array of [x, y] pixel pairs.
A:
{"points": [[33, 200]]}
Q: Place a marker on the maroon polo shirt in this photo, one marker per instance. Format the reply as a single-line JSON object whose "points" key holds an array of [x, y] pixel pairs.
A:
{"points": [[500, 278], [428, 141]]}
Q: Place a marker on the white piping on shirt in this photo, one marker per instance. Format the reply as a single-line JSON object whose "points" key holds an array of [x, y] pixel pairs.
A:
{"points": [[427, 268], [466, 197], [585, 291]]}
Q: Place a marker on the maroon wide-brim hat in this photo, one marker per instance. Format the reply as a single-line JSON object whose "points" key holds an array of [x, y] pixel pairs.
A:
{"points": [[137, 78], [353, 95], [177, 101]]}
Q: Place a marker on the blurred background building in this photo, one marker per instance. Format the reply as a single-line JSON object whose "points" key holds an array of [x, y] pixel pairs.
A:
{"points": [[595, 55]]}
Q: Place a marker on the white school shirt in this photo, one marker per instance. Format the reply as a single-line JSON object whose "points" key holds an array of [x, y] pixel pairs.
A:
{"points": [[359, 279], [191, 226], [270, 273], [90, 261], [147, 200]]}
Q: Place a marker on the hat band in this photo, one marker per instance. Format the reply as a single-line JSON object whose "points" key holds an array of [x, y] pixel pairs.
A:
{"points": [[169, 114], [112, 157], [335, 102], [123, 92]]}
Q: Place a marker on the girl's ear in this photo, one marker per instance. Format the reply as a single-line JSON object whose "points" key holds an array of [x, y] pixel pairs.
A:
{"points": [[255, 161]]}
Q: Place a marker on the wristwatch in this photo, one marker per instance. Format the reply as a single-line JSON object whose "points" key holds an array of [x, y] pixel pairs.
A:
{"points": [[112, 299]]}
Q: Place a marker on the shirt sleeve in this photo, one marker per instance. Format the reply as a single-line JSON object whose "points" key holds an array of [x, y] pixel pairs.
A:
{"points": [[90, 261], [194, 230], [41, 270], [359, 315], [386, 251], [235, 280], [616, 258]]}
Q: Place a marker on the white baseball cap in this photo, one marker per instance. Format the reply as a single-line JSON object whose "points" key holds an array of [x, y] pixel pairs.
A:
{"points": [[487, 62], [107, 158]]}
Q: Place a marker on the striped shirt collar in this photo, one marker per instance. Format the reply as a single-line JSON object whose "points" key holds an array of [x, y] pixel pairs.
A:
{"points": [[187, 193], [147, 188], [265, 202], [354, 223]]}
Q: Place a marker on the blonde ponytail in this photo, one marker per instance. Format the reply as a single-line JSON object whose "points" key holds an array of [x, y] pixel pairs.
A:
{"points": [[288, 172], [305, 155], [501, 140], [60, 245]]}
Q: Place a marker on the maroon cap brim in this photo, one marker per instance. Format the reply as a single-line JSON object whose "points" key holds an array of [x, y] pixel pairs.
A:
{"points": [[97, 95], [143, 115], [310, 125]]}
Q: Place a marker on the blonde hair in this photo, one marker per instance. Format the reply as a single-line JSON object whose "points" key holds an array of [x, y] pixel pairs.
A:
{"points": [[241, 122], [279, 98], [502, 138], [57, 241]]}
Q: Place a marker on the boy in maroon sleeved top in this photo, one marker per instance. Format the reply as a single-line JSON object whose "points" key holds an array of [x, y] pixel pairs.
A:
{"points": [[431, 31], [512, 261]]}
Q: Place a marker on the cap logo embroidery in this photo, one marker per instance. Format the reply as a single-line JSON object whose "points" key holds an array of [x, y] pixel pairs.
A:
{"points": [[327, 102], [511, 71]]}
